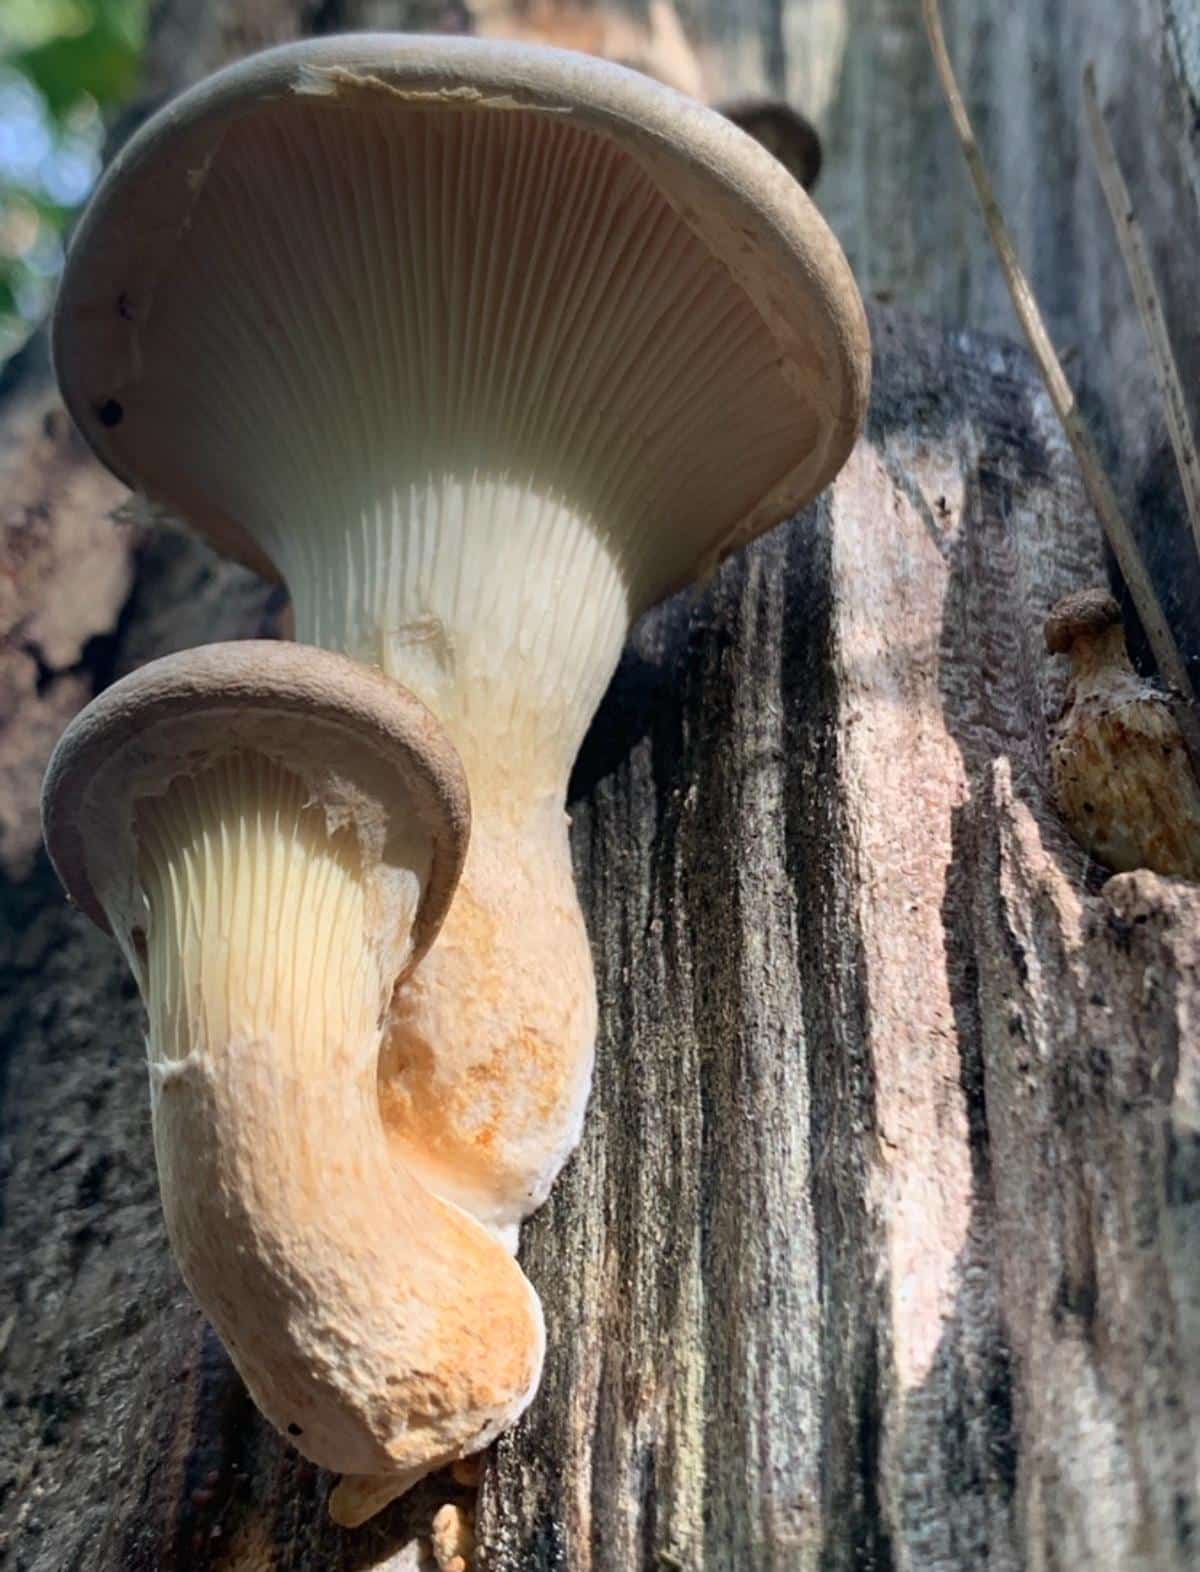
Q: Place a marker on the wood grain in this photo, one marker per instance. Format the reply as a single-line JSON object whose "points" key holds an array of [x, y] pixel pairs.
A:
{"points": [[879, 1250], [804, 1326], [881, 1247]]}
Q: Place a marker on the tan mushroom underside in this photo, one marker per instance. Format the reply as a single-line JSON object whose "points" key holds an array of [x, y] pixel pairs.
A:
{"points": [[471, 383], [482, 349]]}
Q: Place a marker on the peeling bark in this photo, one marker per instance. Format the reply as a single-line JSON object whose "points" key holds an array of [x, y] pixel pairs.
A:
{"points": [[67, 572], [808, 1257]]}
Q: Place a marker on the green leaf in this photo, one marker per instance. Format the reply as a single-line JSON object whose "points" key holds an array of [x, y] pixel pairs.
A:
{"points": [[102, 61], [128, 18], [27, 23]]}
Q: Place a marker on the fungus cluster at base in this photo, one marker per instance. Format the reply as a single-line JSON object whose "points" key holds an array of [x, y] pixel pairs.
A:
{"points": [[483, 349]]}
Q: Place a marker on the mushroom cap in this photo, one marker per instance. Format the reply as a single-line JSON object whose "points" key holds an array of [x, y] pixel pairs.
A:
{"points": [[542, 255], [372, 753], [1083, 613]]}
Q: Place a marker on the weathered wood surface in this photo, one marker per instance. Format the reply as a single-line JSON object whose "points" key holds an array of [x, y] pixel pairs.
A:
{"points": [[883, 1246], [880, 1248], [896, 192]]}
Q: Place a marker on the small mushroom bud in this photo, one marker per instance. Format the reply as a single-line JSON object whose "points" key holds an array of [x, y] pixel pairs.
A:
{"points": [[273, 834], [786, 134], [453, 1537], [1121, 772]]}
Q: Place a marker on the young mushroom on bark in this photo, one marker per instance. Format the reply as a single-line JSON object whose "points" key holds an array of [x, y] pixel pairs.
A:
{"points": [[483, 349], [1121, 773], [273, 835]]}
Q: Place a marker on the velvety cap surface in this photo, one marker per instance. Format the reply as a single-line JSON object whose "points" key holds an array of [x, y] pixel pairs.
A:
{"points": [[372, 753]]}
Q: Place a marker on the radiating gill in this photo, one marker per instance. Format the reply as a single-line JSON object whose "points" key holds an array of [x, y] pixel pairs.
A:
{"points": [[256, 921]]}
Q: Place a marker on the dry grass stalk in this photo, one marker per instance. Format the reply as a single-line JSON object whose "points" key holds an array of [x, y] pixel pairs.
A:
{"points": [[1149, 302], [1116, 529]]}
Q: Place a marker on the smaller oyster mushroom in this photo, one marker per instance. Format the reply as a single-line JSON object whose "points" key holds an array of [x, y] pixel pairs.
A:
{"points": [[1121, 771], [273, 834]]}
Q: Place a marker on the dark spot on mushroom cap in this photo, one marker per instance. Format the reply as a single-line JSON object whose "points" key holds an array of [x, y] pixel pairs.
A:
{"points": [[1082, 614], [110, 413], [295, 1430]]}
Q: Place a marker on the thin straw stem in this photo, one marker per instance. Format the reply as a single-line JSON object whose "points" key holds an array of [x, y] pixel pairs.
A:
{"points": [[1149, 301], [1099, 488]]}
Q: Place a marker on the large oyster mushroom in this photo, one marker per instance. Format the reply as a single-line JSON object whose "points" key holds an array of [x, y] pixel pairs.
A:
{"points": [[483, 348]]}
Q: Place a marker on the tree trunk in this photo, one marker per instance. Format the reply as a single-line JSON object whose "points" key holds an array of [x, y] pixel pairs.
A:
{"points": [[882, 1248]]}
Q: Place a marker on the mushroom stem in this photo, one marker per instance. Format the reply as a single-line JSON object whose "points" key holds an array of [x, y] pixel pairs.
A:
{"points": [[488, 1053], [1117, 531], [380, 1328], [1100, 655], [489, 1049]]}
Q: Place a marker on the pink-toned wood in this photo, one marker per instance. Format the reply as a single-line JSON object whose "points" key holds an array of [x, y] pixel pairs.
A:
{"points": [[881, 1247]]}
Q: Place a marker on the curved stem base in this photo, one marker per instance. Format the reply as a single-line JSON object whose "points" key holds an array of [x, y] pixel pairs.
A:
{"points": [[488, 1053]]}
